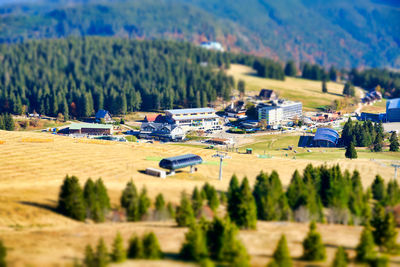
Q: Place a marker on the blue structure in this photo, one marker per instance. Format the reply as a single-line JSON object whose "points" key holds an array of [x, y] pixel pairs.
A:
{"points": [[179, 162], [393, 110], [374, 117], [325, 137]]}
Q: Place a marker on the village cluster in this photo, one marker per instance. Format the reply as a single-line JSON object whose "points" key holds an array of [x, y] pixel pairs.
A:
{"points": [[265, 113]]}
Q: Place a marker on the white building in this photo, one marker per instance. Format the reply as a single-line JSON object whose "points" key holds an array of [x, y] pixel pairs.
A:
{"points": [[278, 112], [196, 118], [212, 46], [272, 115]]}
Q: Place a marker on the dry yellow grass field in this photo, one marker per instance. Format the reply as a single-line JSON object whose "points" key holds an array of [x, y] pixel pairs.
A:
{"points": [[32, 172], [307, 91]]}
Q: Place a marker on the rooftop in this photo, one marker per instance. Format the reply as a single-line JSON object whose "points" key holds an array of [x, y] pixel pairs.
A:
{"points": [[393, 103], [78, 126], [189, 110]]}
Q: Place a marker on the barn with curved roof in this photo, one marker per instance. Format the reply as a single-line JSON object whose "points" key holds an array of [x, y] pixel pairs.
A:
{"points": [[179, 162], [393, 110], [325, 137]]}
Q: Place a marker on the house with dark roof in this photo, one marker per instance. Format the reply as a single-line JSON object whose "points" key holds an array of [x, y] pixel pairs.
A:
{"points": [[161, 131], [236, 109], [104, 115], [267, 94]]}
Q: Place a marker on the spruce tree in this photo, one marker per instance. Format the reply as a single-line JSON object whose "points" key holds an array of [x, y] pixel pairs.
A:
{"points": [[89, 260], [387, 234], [135, 249], [313, 248], [151, 248], [246, 209], [281, 254], [3, 254], [70, 200], [211, 195], [341, 258], [90, 199], [129, 201], [102, 196], [365, 248], [394, 142], [223, 244], [324, 87], [197, 201], [184, 213], [351, 152], [241, 86], [233, 198], [195, 246], [290, 68], [143, 203], [378, 143], [171, 210], [160, 203], [101, 256], [378, 188], [392, 197], [296, 191], [118, 253]]}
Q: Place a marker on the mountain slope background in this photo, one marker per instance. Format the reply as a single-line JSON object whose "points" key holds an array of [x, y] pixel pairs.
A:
{"points": [[363, 33]]}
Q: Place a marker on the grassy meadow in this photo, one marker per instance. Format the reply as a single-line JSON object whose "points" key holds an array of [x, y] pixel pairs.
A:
{"points": [[33, 166], [307, 91]]}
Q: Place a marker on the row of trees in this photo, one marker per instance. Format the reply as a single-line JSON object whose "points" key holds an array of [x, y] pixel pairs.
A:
{"points": [[388, 81], [90, 203], [363, 134], [139, 248], [6, 122]]}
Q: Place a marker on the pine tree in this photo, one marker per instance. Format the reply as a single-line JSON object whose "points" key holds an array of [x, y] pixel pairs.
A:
{"points": [[290, 68], [160, 203], [70, 200], [3, 255], [341, 258], [296, 191], [90, 198], [171, 210], [246, 208], [118, 253], [184, 213], [101, 256], [102, 196], [392, 197], [313, 248], [195, 246], [233, 198], [241, 86], [394, 142], [143, 204], [366, 245], [211, 195], [281, 254], [351, 152], [151, 248], [378, 143], [129, 201], [89, 260], [387, 234], [378, 188], [197, 201], [135, 250], [324, 87], [223, 244]]}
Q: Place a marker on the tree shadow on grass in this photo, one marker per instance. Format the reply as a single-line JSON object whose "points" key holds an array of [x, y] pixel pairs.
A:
{"points": [[39, 205]]}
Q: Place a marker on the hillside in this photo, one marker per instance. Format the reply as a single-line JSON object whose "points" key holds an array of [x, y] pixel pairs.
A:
{"points": [[307, 91], [360, 33], [33, 165]]}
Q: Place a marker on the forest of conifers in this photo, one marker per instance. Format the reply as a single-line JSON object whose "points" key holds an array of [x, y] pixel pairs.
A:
{"points": [[77, 77]]}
